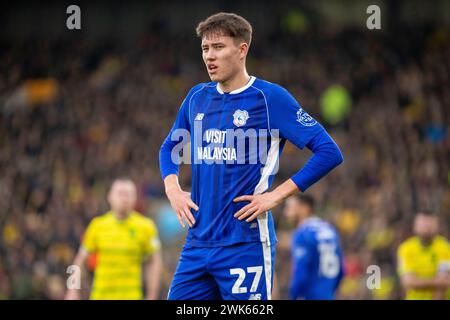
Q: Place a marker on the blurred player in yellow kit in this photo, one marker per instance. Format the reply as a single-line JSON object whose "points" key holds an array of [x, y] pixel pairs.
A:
{"points": [[123, 240], [424, 261]]}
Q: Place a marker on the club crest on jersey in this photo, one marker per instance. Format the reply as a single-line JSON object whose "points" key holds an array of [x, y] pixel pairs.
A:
{"points": [[240, 118], [304, 118]]}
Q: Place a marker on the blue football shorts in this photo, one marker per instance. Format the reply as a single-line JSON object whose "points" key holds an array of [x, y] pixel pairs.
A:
{"points": [[242, 271]]}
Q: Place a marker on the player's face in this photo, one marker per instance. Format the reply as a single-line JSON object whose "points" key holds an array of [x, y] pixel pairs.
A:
{"points": [[425, 227], [122, 197], [223, 56]]}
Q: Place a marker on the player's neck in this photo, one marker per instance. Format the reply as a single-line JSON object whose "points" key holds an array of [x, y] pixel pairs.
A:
{"points": [[303, 220], [426, 241], [120, 215], [236, 82]]}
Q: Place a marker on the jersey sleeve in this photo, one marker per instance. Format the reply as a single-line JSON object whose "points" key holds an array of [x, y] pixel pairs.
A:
{"points": [[301, 266], [289, 118], [90, 243], [296, 125], [180, 133], [151, 242]]}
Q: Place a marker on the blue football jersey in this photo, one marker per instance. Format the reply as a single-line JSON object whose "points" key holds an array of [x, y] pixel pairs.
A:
{"points": [[317, 261], [235, 140]]}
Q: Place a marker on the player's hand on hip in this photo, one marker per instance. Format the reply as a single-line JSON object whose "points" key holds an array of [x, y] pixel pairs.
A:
{"points": [[259, 203], [182, 204]]}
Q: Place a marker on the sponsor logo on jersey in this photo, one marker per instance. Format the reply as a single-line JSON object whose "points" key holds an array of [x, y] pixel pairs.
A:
{"points": [[199, 116]]}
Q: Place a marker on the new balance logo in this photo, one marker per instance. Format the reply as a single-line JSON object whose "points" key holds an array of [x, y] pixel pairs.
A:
{"points": [[255, 296], [199, 116]]}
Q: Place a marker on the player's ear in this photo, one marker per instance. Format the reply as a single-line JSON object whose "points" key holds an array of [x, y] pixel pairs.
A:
{"points": [[243, 50]]}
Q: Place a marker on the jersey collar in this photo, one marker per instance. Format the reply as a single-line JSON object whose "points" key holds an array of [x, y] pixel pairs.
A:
{"points": [[248, 85]]}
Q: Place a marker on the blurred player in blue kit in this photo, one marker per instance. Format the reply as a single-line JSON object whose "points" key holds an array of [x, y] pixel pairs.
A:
{"points": [[230, 246], [317, 259]]}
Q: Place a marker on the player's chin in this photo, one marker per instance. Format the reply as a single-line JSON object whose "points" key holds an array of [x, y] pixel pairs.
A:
{"points": [[215, 77]]}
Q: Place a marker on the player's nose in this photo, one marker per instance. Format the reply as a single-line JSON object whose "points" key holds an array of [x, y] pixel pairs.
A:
{"points": [[210, 55]]}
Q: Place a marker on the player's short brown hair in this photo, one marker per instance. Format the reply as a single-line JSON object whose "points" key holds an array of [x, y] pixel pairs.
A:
{"points": [[226, 24], [122, 178], [426, 212], [306, 200]]}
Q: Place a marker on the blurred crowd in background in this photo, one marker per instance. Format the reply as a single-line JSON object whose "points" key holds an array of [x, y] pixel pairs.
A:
{"points": [[74, 115]]}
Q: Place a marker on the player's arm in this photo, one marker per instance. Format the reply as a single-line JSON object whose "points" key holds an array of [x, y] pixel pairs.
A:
{"points": [[409, 280], [180, 200], [275, 288], [440, 283], [170, 159], [444, 274], [326, 156], [79, 262], [301, 258], [152, 261], [152, 273], [284, 117], [89, 244]]}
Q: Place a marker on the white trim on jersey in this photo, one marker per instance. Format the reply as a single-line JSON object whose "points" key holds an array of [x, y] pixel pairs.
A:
{"points": [[267, 268], [263, 185], [263, 221], [248, 85], [267, 107]]}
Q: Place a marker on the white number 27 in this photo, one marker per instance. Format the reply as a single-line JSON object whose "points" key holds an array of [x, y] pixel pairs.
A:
{"points": [[241, 277]]}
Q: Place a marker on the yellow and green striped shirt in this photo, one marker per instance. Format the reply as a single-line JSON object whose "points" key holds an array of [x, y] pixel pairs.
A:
{"points": [[121, 247]]}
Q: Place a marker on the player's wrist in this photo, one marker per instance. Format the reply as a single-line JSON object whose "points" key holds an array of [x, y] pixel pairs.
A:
{"points": [[171, 184], [277, 197], [284, 191], [173, 189]]}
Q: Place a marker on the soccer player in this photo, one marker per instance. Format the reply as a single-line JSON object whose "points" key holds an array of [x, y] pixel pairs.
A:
{"points": [[123, 240], [424, 260], [317, 262], [230, 247]]}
